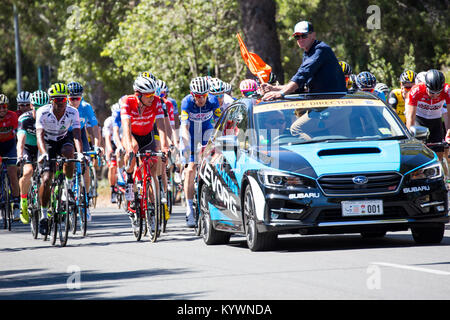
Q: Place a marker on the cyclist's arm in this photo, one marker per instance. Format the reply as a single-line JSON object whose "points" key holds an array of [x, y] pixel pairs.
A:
{"points": [[93, 132], [410, 115], [126, 139], [162, 134], [392, 100], [21, 138], [77, 140], [40, 140], [116, 137]]}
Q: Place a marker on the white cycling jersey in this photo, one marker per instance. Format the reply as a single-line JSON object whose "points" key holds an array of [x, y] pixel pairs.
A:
{"points": [[55, 129]]}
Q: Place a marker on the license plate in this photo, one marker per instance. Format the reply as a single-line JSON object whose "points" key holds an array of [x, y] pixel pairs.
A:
{"points": [[362, 208]]}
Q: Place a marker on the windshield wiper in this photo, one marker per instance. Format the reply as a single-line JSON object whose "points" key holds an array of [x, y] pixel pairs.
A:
{"points": [[394, 138]]}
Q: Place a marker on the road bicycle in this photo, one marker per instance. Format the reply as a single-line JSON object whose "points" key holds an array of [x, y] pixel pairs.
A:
{"points": [[81, 200], [5, 194], [146, 207], [34, 205], [61, 204], [93, 186]]}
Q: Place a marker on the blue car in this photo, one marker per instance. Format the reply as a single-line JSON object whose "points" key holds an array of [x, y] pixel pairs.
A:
{"points": [[318, 164]]}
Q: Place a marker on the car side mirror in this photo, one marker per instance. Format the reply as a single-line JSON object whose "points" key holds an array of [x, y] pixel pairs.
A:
{"points": [[419, 132]]}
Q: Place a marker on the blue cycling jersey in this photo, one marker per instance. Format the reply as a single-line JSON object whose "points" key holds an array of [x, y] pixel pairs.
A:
{"points": [[117, 119], [380, 94], [87, 115]]}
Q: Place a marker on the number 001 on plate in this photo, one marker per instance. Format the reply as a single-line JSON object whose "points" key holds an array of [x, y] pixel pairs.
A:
{"points": [[362, 208]]}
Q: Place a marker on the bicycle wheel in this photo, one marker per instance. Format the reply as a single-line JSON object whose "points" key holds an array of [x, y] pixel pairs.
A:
{"points": [[8, 206], [136, 220], [93, 186], [152, 216], [82, 209], [63, 215], [33, 209], [73, 216]]}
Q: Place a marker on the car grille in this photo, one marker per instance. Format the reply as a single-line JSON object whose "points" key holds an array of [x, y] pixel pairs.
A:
{"points": [[343, 185]]}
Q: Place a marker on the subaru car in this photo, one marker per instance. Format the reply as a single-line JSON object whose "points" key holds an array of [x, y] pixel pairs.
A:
{"points": [[318, 164]]}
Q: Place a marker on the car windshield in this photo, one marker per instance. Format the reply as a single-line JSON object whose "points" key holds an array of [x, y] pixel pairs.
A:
{"points": [[321, 121]]}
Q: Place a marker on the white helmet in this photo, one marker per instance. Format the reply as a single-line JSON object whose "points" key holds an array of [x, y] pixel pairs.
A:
{"points": [[144, 85], [216, 86], [420, 77], [162, 86], [199, 85], [3, 99], [147, 74], [23, 97], [115, 107]]}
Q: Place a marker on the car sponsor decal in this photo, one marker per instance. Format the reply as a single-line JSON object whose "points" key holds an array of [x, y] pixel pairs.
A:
{"points": [[304, 195], [216, 214], [315, 104]]}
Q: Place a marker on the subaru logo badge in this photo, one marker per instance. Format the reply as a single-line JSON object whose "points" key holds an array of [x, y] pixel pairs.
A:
{"points": [[360, 180]]}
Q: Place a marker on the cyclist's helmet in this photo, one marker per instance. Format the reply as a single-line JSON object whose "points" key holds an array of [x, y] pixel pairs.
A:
{"points": [[58, 90], [272, 78], [148, 74], [434, 80], [248, 86], [199, 85], [216, 86], [162, 86], [144, 85], [114, 108], [408, 76], [420, 78], [366, 80], [383, 88], [39, 98], [228, 87], [346, 69], [75, 89], [23, 97], [3, 99]]}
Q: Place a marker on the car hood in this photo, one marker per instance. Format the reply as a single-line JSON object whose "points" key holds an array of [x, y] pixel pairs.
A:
{"points": [[317, 159]]}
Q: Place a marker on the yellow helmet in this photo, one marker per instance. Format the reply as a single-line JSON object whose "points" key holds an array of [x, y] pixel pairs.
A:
{"points": [[346, 69], [58, 89], [408, 76]]}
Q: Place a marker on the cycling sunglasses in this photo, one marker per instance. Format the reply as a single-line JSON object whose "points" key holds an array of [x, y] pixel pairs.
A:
{"points": [[75, 98], [148, 95], [199, 95], [434, 92], [301, 36], [23, 105], [59, 99], [219, 95], [3, 106]]}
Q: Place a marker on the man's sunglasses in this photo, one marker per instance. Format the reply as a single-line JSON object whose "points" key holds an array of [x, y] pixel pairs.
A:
{"points": [[75, 98], [59, 99], [3, 106], [200, 95], [23, 105], [301, 36], [148, 95], [434, 92], [219, 95]]}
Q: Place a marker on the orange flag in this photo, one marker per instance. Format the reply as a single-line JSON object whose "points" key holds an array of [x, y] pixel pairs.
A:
{"points": [[255, 64]]}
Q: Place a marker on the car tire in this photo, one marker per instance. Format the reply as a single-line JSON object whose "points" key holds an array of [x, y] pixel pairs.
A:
{"points": [[373, 234], [256, 241], [428, 234], [210, 235]]}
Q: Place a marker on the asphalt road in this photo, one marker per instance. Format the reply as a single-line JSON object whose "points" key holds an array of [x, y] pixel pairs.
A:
{"points": [[110, 264]]}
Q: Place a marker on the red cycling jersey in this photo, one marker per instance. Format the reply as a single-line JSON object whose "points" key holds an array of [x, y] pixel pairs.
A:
{"points": [[8, 124], [426, 107], [170, 110], [141, 123]]}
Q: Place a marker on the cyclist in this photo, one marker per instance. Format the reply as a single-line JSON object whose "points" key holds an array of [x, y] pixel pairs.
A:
{"points": [[23, 102], [397, 97], [424, 105], [54, 138], [249, 88], [8, 125], [110, 152], [382, 87], [366, 81], [347, 70], [217, 87], [139, 113], [27, 151], [198, 109]]}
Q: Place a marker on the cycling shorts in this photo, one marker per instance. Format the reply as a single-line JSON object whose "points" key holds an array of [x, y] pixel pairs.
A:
{"points": [[9, 150], [54, 149], [30, 153], [436, 131]]}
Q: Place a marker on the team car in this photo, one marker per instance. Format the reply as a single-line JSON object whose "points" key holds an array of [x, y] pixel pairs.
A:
{"points": [[318, 164]]}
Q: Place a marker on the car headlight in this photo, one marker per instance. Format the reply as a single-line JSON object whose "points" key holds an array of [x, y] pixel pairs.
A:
{"points": [[433, 171], [280, 179]]}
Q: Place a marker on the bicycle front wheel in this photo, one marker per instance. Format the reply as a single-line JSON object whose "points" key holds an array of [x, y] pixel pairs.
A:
{"points": [[152, 207], [63, 215], [33, 209]]}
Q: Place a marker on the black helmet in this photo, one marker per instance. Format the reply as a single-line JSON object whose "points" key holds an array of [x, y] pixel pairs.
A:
{"points": [[435, 80]]}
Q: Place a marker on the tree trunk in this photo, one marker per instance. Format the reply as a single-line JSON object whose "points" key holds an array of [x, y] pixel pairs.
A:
{"points": [[260, 33], [97, 99]]}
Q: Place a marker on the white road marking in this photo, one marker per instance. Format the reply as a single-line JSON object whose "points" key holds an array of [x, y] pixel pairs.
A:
{"points": [[400, 266]]}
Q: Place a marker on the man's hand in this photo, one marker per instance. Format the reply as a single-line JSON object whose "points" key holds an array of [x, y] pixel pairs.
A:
{"points": [[272, 95], [43, 157], [265, 87], [447, 136]]}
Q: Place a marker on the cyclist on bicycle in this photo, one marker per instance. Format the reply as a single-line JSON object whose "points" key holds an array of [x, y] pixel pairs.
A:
{"points": [[382, 87], [27, 151], [397, 97], [139, 113], [217, 88], [366, 82], [8, 125], [54, 138], [198, 111], [110, 153], [23, 102], [424, 105]]}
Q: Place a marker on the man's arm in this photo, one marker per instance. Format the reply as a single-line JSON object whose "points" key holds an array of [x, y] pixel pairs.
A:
{"points": [[77, 140], [126, 135], [21, 137], [410, 112], [278, 92], [162, 134], [40, 141]]}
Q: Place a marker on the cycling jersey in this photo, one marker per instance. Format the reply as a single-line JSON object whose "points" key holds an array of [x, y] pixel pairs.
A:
{"points": [[108, 127], [141, 123], [27, 126], [8, 124], [397, 102], [168, 107], [175, 105], [199, 119], [426, 107], [55, 129]]}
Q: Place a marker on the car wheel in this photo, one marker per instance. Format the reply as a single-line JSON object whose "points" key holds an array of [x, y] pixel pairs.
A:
{"points": [[256, 240], [428, 234], [210, 235], [373, 234]]}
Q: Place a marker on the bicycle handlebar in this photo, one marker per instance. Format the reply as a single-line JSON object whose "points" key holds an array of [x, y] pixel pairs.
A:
{"points": [[438, 144]]}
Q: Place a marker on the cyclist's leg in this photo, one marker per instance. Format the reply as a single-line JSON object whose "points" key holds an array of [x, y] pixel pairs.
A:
{"points": [[12, 175], [44, 190], [190, 172], [30, 156], [112, 172]]}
